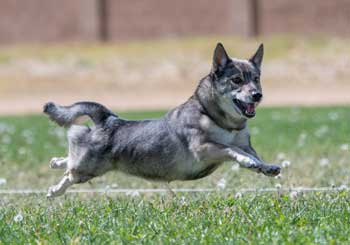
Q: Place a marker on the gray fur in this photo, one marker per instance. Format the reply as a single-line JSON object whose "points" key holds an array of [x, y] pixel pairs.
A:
{"points": [[188, 143]]}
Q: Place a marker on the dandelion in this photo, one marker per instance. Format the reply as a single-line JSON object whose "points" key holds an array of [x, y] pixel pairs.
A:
{"points": [[183, 200], [22, 151], [293, 195], [235, 167], [343, 187], [221, 183], [238, 195], [278, 186], [344, 147], [324, 162], [333, 116], [3, 181], [18, 218], [279, 176], [321, 131], [81, 223], [285, 164], [133, 193]]}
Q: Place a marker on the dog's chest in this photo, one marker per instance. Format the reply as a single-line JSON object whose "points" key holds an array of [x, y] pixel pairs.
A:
{"points": [[219, 135]]}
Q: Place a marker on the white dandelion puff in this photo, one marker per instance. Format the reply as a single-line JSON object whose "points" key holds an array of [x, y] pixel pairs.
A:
{"points": [[278, 186], [238, 195], [343, 187], [183, 200], [333, 116], [324, 162], [22, 151], [285, 164], [279, 176], [293, 195], [321, 131], [344, 147], [3, 181], [18, 218], [221, 183], [133, 193]]}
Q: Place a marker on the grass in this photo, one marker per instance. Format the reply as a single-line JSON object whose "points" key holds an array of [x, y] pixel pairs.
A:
{"points": [[189, 219], [314, 140]]}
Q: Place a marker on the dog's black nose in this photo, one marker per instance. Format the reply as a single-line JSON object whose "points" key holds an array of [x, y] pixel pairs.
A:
{"points": [[256, 96]]}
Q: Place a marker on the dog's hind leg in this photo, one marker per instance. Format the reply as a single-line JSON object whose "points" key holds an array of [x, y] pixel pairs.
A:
{"points": [[70, 177], [59, 162], [61, 187]]}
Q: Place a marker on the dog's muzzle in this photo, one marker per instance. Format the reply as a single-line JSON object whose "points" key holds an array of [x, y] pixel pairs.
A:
{"points": [[247, 109]]}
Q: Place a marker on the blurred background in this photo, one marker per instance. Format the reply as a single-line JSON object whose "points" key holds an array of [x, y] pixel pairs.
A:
{"points": [[151, 54]]}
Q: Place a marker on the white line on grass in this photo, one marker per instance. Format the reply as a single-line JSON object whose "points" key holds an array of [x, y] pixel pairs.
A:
{"points": [[181, 190]]}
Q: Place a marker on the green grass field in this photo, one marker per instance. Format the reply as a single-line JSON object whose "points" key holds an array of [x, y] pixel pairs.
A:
{"points": [[315, 141]]}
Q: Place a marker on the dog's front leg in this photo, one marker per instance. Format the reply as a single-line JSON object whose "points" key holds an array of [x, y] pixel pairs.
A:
{"points": [[251, 160], [213, 152]]}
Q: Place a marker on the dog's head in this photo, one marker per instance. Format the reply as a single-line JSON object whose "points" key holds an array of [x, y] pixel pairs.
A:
{"points": [[237, 82]]}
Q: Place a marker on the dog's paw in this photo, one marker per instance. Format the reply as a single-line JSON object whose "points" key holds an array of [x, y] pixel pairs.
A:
{"points": [[53, 162], [51, 192], [271, 170], [54, 191]]}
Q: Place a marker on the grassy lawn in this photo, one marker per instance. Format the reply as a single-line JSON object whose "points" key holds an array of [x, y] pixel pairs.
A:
{"points": [[189, 219], [315, 141]]}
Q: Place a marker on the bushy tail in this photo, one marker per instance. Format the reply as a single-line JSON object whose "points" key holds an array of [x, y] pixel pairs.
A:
{"points": [[67, 115]]}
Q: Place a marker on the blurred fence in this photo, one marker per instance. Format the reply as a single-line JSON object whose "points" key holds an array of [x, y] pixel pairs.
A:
{"points": [[108, 20]]}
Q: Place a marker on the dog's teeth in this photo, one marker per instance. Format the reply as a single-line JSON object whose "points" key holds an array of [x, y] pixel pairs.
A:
{"points": [[250, 108]]}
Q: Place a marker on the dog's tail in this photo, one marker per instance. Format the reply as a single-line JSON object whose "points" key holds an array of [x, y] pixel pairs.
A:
{"points": [[68, 115]]}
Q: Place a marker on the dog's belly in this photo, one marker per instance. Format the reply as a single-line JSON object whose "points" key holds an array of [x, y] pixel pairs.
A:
{"points": [[201, 172], [177, 169]]}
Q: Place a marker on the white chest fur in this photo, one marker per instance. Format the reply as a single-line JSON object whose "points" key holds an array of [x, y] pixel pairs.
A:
{"points": [[218, 134]]}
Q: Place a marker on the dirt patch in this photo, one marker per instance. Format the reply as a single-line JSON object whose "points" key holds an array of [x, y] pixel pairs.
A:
{"points": [[144, 77]]}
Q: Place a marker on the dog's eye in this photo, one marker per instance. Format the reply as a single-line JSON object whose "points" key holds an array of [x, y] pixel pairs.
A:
{"points": [[257, 79], [237, 80]]}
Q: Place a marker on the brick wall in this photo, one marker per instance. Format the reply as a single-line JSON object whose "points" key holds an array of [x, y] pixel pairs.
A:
{"points": [[302, 16], [129, 19], [81, 20], [47, 20]]}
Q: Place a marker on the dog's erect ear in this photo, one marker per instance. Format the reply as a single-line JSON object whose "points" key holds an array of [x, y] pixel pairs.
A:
{"points": [[257, 58], [220, 58]]}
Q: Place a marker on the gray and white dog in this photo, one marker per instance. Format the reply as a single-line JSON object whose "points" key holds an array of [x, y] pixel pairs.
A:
{"points": [[188, 143]]}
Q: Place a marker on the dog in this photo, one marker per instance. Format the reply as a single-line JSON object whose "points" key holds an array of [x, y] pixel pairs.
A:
{"points": [[188, 143]]}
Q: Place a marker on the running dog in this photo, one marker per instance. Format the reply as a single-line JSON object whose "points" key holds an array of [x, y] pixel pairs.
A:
{"points": [[188, 143]]}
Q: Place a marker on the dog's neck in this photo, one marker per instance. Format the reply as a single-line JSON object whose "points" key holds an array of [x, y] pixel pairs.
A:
{"points": [[204, 94]]}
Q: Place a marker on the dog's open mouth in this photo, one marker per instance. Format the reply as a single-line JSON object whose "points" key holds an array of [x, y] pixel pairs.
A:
{"points": [[248, 109]]}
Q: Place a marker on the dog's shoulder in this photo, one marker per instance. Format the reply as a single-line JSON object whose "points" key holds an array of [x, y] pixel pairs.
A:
{"points": [[186, 115]]}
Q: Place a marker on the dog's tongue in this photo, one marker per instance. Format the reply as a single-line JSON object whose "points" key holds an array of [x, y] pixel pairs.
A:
{"points": [[250, 108]]}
